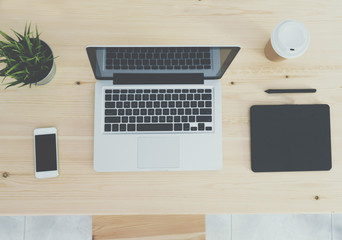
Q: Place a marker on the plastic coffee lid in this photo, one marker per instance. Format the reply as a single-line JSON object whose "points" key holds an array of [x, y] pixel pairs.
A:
{"points": [[290, 39]]}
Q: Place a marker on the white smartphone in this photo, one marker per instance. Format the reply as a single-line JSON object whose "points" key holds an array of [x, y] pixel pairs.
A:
{"points": [[45, 152]]}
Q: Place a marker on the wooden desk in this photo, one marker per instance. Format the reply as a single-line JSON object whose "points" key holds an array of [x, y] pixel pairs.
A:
{"points": [[69, 26]]}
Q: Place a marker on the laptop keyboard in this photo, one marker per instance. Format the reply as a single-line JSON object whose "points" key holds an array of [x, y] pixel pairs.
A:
{"points": [[158, 58], [164, 110]]}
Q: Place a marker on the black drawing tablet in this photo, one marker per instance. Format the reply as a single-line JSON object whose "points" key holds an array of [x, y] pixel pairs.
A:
{"points": [[290, 138]]}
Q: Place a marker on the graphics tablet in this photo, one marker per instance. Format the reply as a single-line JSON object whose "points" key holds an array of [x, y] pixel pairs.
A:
{"points": [[290, 138]]}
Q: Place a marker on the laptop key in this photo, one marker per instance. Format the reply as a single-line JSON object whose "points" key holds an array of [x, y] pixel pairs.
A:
{"points": [[140, 119], [127, 104], [193, 128], [186, 104], [148, 104], [131, 127], [150, 111], [110, 105], [147, 119], [110, 112], [108, 127], [208, 128], [158, 111], [186, 126], [178, 127], [206, 96], [205, 61], [121, 112], [201, 126], [134, 104], [153, 96], [135, 111], [166, 111], [123, 127], [112, 119], [203, 119], [155, 127], [123, 97], [164, 104], [143, 111], [205, 111], [115, 97], [181, 111], [137, 97], [115, 127], [132, 119], [124, 119]]}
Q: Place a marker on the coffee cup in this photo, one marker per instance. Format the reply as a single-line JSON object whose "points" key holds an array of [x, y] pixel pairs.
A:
{"points": [[289, 39]]}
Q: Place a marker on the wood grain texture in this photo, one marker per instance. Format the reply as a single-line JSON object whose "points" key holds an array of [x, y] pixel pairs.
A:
{"points": [[149, 227], [69, 26]]}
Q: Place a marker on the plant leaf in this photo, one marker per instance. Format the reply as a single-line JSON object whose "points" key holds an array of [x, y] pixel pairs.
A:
{"points": [[19, 36], [12, 84], [12, 68], [29, 44], [8, 38]]}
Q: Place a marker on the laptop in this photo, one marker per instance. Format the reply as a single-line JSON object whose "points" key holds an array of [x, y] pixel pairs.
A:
{"points": [[158, 108]]}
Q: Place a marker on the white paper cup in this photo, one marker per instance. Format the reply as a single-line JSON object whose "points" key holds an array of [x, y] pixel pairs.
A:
{"points": [[289, 39]]}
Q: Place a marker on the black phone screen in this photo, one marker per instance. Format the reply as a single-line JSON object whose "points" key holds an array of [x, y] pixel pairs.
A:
{"points": [[46, 154]]}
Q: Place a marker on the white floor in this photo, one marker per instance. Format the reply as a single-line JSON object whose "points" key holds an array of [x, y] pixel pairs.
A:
{"points": [[218, 227], [46, 228], [274, 227]]}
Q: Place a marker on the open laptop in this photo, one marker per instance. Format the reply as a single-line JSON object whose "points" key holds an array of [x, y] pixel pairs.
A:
{"points": [[158, 108]]}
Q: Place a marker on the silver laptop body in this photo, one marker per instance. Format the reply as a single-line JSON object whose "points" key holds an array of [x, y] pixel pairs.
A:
{"points": [[158, 108]]}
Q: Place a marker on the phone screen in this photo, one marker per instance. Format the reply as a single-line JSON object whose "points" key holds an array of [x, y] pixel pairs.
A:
{"points": [[46, 152]]}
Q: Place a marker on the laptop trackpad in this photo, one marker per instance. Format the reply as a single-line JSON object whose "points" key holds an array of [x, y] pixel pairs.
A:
{"points": [[158, 152]]}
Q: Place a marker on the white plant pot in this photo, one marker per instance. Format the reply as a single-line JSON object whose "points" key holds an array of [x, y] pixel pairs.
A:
{"points": [[52, 72]]}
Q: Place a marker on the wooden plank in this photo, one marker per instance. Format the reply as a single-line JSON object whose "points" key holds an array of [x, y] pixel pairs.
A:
{"points": [[161, 227], [69, 26]]}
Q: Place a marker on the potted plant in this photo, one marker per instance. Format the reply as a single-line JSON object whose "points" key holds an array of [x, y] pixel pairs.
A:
{"points": [[28, 59]]}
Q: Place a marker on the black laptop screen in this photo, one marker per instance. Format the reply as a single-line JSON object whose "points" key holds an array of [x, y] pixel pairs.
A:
{"points": [[211, 61]]}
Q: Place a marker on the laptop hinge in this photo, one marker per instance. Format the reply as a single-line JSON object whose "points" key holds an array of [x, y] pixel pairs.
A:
{"points": [[159, 78]]}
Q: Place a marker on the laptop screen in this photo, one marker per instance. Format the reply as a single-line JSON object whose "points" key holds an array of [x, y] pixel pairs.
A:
{"points": [[211, 61]]}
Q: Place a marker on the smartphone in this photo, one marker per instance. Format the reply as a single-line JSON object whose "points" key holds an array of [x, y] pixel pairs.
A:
{"points": [[45, 152]]}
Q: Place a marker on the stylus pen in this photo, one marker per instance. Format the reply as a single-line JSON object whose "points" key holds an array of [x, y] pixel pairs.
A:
{"points": [[309, 90]]}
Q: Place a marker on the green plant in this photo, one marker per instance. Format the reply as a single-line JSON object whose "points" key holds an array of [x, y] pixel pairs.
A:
{"points": [[27, 60]]}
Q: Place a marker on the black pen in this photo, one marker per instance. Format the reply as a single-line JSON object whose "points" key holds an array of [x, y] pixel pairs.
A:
{"points": [[310, 90]]}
